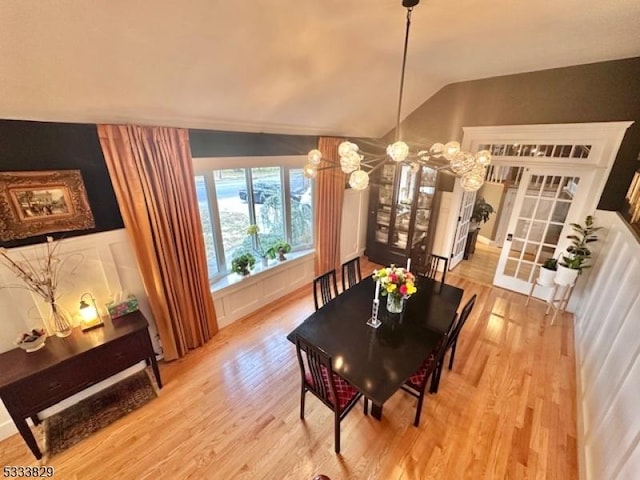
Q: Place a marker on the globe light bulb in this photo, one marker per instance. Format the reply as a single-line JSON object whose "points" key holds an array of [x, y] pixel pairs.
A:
{"points": [[437, 148], [471, 181], [398, 152], [310, 171], [350, 162], [451, 149], [345, 147], [483, 157], [359, 180], [479, 169], [462, 163], [314, 156]]}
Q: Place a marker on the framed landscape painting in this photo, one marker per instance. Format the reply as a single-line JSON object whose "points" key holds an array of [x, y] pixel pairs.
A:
{"points": [[34, 203]]}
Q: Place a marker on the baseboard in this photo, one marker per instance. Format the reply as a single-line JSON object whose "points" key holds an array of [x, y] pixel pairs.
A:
{"points": [[486, 241]]}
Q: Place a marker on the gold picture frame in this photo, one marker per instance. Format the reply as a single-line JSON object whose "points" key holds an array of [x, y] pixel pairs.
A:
{"points": [[34, 203]]}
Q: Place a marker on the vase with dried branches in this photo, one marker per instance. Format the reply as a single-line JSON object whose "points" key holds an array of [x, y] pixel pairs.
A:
{"points": [[42, 278]]}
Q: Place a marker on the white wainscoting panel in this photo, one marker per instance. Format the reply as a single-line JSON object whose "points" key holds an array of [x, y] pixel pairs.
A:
{"points": [[248, 294], [607, 337]]}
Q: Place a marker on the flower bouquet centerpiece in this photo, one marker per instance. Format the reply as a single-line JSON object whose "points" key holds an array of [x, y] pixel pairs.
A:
{"points": [[397, 284], [42, 278]]}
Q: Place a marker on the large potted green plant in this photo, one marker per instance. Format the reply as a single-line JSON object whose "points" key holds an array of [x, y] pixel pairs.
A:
{"points": [[481, 213], [578, 253]]}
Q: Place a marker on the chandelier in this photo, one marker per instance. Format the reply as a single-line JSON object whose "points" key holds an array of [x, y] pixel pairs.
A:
{"points": [[470, 168]]}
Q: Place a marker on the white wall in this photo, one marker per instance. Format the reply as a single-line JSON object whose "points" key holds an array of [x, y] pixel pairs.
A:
{"points": [[442, 244], [607, 338], [102, 263], [353, 238]]}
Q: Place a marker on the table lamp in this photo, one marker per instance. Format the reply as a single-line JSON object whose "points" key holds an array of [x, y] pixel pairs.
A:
{"points": [[89, 313]]}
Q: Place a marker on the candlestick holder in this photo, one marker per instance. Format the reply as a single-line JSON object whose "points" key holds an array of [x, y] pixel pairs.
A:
{"points": [[373, 321]]}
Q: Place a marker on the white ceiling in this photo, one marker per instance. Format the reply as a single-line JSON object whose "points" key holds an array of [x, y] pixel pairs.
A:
{"points": [[284, 66]]}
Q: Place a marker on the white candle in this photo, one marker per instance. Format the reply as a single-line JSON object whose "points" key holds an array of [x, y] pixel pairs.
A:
{"points": [[377, 289], [409, 264]]}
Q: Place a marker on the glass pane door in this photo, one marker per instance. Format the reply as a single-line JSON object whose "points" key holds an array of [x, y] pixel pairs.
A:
{"points": [[462, 229], [426, 192], [543, 204], [385, 201], [404, 201]]}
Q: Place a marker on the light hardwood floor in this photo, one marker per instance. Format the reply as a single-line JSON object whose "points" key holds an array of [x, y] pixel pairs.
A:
{"points": [[481, 266], [230, 410]]}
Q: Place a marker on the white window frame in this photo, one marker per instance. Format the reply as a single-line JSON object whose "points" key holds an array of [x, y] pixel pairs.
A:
{"points": [[204, 166]]}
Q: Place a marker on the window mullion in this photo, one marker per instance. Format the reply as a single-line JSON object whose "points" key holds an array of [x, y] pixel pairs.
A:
{"points": [[286, 204], [250, 200], [215, 221]]}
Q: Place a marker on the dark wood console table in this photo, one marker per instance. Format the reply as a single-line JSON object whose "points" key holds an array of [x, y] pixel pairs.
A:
{"points": [[31, 382]]}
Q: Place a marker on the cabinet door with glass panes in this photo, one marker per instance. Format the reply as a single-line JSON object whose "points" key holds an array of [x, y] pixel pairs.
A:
{"points": [[400, 212]]}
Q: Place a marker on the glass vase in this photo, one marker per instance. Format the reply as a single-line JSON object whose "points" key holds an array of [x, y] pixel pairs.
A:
{"points": [[395, 303], [59, 320]]}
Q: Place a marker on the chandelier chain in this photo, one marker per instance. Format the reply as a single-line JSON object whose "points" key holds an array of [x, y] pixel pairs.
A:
{"points": [[404, 64], [359, 165]]}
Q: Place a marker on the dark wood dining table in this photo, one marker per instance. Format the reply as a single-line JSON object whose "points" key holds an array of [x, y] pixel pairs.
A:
{"points": [[377, 361]]}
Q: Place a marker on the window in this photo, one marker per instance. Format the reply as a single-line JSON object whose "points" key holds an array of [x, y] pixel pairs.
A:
{"points": [[234, 193], [552, 151]]}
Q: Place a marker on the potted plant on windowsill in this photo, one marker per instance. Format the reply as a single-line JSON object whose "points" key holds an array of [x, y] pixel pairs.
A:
{"points": [[280, 247], [242, 264], [578, 253]]}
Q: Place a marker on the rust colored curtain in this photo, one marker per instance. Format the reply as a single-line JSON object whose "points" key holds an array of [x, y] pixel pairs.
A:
{"points": [[153, 179], [328, 210]]}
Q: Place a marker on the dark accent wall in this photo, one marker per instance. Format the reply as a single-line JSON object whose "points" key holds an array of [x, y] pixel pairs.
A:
{"points": [[26, 146], [599, 92], [210, 143]]}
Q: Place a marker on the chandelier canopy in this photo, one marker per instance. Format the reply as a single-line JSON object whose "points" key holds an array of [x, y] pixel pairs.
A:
{"points": [[471, 168]]}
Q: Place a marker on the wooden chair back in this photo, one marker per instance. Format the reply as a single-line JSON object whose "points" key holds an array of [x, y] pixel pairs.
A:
{"points": [[351, 273], [327, 285], [432, 267]]}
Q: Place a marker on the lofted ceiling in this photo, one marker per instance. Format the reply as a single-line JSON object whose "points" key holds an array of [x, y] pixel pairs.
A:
{"points": [[282, 66]]}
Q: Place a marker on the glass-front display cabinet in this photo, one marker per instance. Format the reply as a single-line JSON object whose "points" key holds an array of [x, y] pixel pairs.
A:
{"points": [[402, 213]]}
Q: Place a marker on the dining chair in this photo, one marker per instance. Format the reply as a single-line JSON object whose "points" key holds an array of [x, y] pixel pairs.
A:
{"points": [[430, 267], [328, 287], [351, 273], [453, 342], [331, 389], [416, 384]]}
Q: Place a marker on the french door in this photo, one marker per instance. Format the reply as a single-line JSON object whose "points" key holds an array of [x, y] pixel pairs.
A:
{"points": [[548, 199], [462, 228]]}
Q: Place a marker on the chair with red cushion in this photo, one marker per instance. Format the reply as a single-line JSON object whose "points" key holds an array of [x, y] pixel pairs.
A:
{"points": [[319, 378], [416, 384]]}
